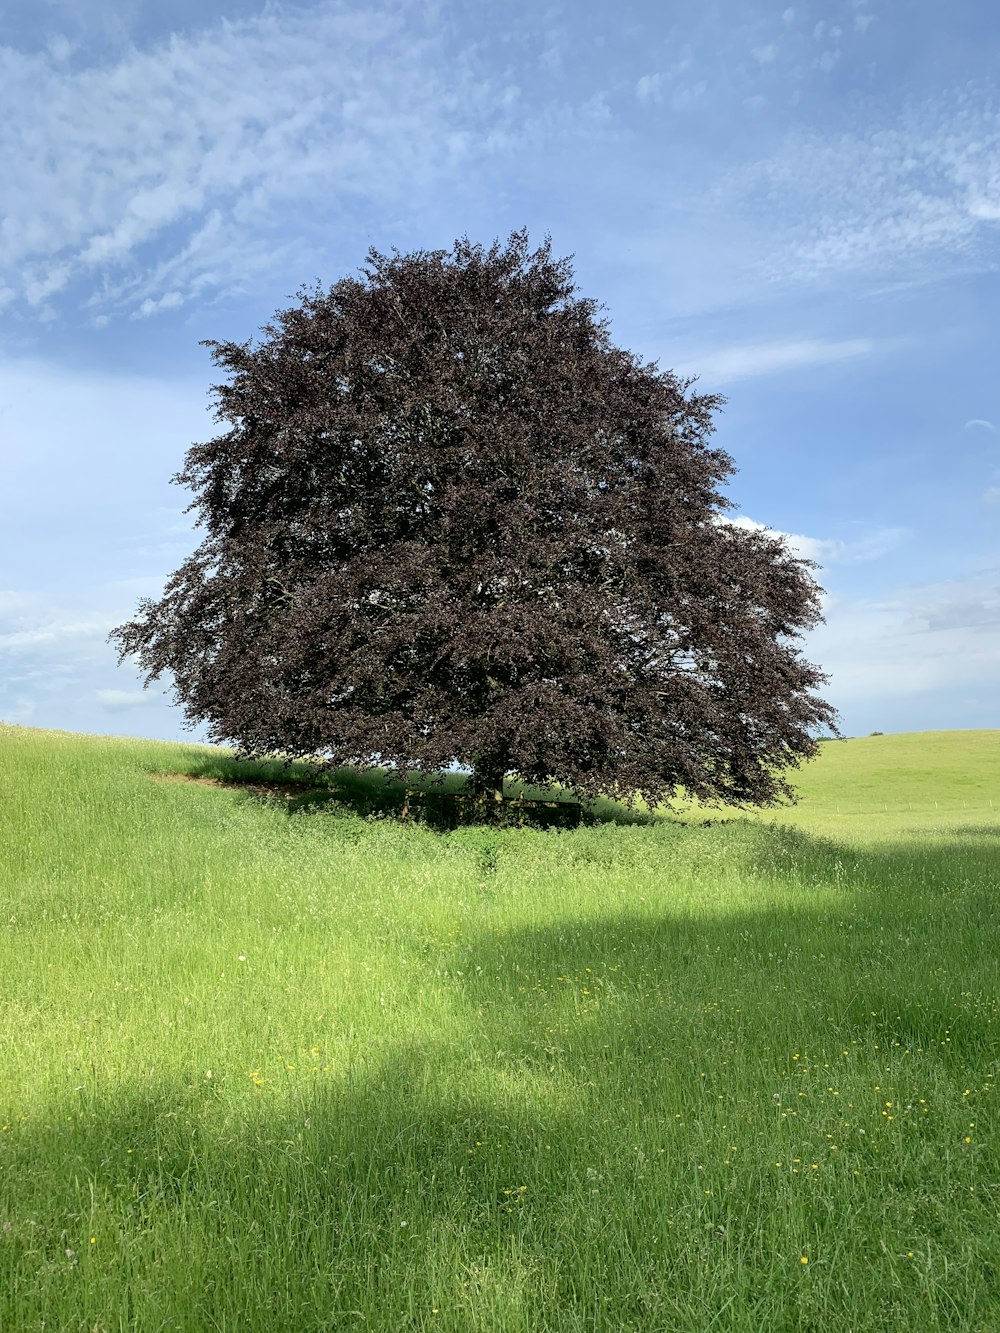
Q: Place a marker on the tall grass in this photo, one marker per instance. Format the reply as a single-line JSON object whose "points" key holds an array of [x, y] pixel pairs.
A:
{"points": [[263, 1070]]}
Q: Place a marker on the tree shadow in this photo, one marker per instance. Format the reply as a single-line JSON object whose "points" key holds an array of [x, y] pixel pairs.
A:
{"points": [[326, 1211], [439, 801], [450, 1180], [878, 935]]}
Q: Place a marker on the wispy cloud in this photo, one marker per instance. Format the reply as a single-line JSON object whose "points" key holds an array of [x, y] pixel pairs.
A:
{"points": [[747, 361], [892, 201], [204, 143], [980, 423]]}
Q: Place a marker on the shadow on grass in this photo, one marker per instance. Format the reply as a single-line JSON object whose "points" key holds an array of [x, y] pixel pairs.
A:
{"points": [[366, 1204], [503, 1174], [439, 801], [975, 830], [895, 947]]}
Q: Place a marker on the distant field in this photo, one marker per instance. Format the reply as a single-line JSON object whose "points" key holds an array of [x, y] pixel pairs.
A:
{"points": [[271, 1065], [876, 786]]}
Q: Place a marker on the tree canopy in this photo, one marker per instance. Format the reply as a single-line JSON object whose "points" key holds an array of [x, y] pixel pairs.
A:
{"points": [[448, 520]]}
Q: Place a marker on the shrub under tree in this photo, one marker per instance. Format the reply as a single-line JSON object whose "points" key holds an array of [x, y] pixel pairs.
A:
{"points": [[449, 521]]}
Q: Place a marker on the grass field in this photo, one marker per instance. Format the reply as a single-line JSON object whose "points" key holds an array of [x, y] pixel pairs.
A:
{"points": [[269, 1065]]}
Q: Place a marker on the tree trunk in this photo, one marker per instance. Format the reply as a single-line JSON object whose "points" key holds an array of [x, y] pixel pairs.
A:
{"points": [[487, 782]]}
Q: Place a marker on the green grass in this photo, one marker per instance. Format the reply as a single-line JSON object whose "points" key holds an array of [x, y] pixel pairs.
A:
{"points": [[269, 1065]]}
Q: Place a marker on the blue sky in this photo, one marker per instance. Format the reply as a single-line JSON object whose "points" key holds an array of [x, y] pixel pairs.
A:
{"points": [[799, 203]]}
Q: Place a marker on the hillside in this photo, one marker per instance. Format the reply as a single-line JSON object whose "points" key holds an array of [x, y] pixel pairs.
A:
{"points": [[269, 1065], [882, 785]]}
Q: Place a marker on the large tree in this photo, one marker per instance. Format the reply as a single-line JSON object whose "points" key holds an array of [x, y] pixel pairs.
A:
{"points": [[449, 521]]}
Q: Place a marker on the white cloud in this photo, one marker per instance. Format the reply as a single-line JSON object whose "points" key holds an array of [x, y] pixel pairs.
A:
{"points": [[58, 670], [12, 602], [765, 55], [596, 107], [213, 137], [551, 59], [913, 651], [981, 423], [826, 550], [808, 548], [919, 640], [60, 48], [748, 361], [53, 632], [678, 84], [151, 307], [957, 604], [909, 201], [116, 701], [38, 289], [19, 710], [650, 88], [91, 515], [686, 95]]}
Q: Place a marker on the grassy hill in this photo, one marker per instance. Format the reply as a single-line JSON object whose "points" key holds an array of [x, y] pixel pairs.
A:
{"points": [[879, 786], [919, 770], [269, 1065]]}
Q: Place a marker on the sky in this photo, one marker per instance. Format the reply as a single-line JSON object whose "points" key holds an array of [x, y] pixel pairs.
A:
{"points": [[799, 204]]}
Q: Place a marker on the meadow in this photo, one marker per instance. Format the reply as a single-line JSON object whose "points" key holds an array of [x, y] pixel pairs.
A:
{"points": [[271, 1064]]}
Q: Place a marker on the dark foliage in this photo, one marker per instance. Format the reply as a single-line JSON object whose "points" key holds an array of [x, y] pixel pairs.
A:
{"points": [[449, 520]]}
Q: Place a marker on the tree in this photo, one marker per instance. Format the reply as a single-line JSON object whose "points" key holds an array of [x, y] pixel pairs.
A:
{"points": [[450, 521]]}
